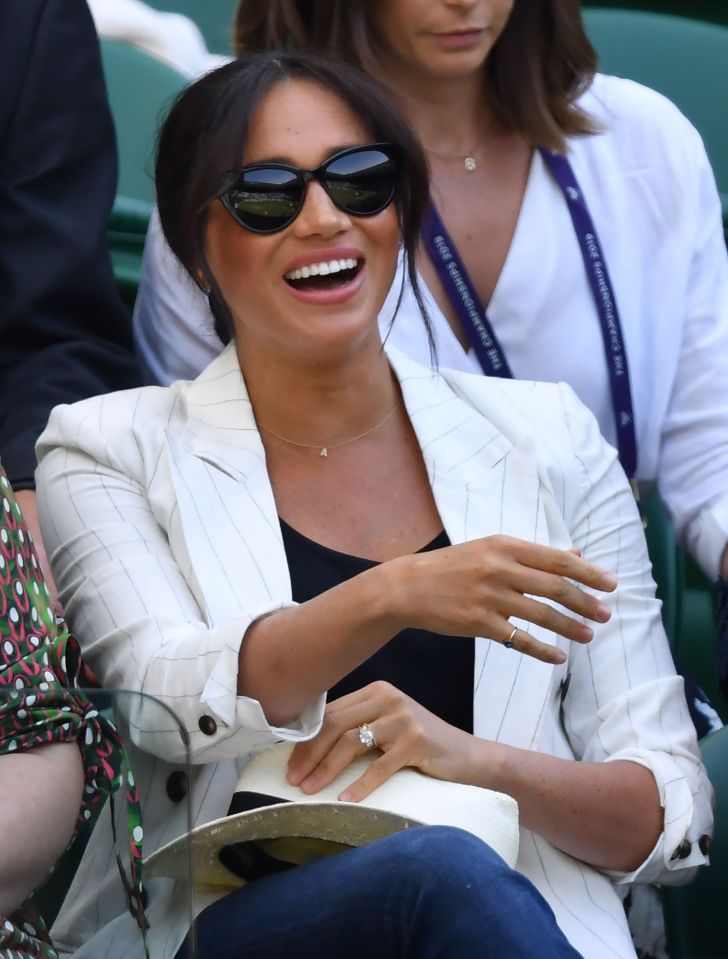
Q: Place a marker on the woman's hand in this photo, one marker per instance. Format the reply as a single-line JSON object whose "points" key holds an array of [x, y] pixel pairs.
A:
{"points": [[472, 589], [407, 734], [605, 813], [466, 590]]}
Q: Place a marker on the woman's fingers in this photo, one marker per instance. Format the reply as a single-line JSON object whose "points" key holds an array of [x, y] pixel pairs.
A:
{"points": [[532, 582], [388, 714], [563, 563], [335, 761], [549, 617], [406, 734], [523, 642], [342, 716], [376, 773]]}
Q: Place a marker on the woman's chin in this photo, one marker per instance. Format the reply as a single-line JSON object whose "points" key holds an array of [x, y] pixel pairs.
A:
{"points": [[340, 339]]}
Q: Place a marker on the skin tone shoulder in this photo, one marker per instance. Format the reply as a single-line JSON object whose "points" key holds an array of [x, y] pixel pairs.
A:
{"points": [[328, 354]]}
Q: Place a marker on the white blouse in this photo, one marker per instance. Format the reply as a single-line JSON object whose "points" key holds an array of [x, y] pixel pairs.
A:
{"points": [[653, 199]]}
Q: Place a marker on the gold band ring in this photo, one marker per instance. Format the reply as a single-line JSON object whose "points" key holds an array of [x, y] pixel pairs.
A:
{"points": [[508, 643]]}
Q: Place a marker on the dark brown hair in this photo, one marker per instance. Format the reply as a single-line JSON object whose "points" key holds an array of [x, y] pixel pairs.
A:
{"points": [[534, 75], [202, 141]]}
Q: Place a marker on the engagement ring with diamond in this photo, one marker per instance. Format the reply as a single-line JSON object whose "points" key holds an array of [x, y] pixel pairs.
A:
{"points": [[367, 737]]}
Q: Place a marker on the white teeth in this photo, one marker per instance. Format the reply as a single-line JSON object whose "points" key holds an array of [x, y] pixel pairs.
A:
{"points": [[321, 269]]}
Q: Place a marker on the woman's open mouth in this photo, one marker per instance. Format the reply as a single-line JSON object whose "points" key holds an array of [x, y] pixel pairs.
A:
{"points": [[324, 275], [326, 282]]}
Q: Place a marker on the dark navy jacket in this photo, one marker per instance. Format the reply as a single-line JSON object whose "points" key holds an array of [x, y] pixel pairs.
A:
{"points": [[64, 332]]}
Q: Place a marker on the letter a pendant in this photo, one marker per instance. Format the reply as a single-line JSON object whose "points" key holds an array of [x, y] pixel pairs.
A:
{"points": [[324, 452]]}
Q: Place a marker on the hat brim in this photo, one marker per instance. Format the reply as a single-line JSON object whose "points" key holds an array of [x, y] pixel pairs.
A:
{"points": [[195, 857]]}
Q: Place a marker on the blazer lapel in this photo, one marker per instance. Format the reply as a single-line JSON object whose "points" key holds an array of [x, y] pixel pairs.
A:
{"points": [[485, 483], [227, 512]]}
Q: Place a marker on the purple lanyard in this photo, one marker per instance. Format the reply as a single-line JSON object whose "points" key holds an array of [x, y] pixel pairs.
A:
{"points": [[474, 319]]}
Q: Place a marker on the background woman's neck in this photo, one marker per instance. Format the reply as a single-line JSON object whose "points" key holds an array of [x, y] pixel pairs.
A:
{"points": [[449, 115]]}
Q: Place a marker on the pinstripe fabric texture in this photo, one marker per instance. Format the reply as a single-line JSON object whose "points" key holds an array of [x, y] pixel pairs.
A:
{"points": [[162, 527]]}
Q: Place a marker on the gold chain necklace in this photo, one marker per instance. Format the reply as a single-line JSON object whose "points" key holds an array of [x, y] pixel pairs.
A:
{"points": [[324, 450], [469, 161]]}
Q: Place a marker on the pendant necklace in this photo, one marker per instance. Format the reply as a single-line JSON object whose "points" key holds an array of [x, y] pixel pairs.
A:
{"points": [[469, 162], [324, 450]]}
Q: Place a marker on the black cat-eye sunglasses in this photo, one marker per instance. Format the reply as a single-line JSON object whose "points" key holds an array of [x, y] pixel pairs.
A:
{"points": [[267, 197]]}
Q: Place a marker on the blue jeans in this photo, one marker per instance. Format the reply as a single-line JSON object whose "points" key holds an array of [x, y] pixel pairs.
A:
{"points": [[431, 892]]}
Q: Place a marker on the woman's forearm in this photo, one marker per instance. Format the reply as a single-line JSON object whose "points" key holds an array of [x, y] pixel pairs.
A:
{"points": [[289, 658], [607, 814], [40, 795]]}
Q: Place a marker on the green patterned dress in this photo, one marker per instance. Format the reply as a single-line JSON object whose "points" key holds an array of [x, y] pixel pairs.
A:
{"points": [[41, 673]]}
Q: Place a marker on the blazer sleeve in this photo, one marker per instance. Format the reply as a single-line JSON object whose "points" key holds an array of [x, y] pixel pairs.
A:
{"points": [[624, 700], [64, 331], [129, 601]]}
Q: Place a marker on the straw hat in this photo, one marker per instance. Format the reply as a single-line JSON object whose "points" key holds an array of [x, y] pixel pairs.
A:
{"points": [[273, 825]]}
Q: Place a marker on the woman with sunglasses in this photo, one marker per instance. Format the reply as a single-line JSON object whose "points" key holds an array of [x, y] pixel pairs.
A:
{"points": [[636, 169], [315, 516]]}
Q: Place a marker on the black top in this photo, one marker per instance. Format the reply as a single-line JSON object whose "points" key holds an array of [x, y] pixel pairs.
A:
{"points": [[435, 670]]}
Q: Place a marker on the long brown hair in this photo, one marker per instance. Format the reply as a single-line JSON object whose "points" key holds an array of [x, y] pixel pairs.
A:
{"points": [[534, 75]]}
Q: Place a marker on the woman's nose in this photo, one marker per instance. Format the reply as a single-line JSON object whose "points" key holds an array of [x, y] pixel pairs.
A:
{"points": [[319, 215]]}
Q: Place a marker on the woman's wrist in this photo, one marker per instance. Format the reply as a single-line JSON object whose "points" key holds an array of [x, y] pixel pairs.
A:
{"points": [[487, 765], [390, 589]]}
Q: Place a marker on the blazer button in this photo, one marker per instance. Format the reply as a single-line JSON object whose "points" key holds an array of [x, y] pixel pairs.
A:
{"points": [[207, 725], [705, 843], [177, 786], [682, 851]]}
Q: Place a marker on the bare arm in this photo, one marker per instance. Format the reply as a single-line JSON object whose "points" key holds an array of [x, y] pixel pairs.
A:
{"points": [[40, 795], [292, 656], [606, 814]]}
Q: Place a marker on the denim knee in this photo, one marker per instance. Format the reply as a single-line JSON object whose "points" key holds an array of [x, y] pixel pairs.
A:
{"points": [[452, 854]]}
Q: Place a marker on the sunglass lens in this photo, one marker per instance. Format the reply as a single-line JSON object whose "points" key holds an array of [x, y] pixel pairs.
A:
{"points": [[361, 182], [265, 199]]}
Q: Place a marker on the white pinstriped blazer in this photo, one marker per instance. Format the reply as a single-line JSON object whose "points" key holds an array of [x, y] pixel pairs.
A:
{"points": [[161, 523]]}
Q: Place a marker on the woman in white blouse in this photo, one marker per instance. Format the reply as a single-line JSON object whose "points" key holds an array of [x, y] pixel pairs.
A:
{"points": [[456, 69], [317, 515]]}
